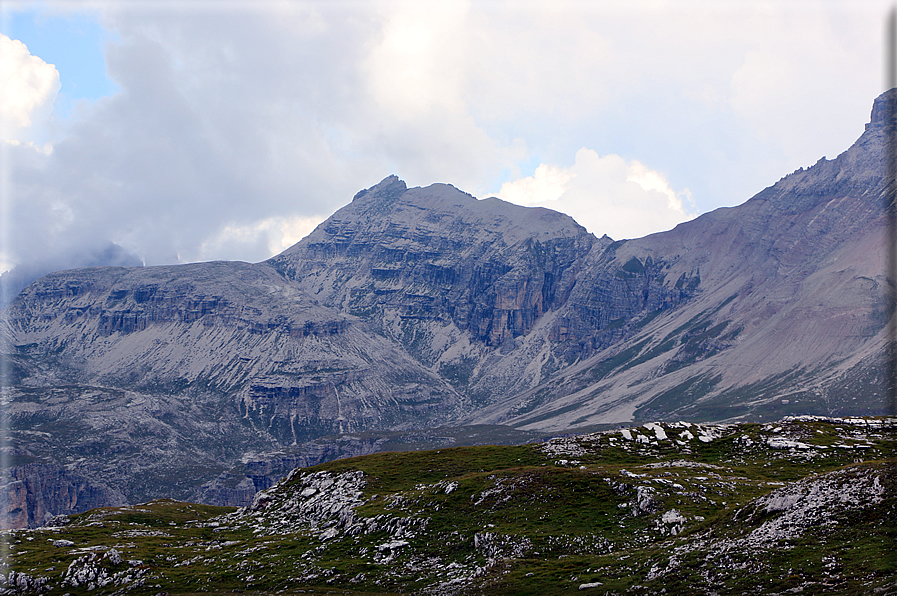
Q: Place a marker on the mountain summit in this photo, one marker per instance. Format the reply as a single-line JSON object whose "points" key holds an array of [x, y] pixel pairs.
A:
{"points": [[416, 308]]}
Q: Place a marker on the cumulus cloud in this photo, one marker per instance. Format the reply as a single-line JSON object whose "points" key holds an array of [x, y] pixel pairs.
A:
{"points": [[606, 194], [28, 88], [547, 184]]}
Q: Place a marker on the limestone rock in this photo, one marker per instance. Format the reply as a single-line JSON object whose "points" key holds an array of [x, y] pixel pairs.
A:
{"points": [[35, 494]]}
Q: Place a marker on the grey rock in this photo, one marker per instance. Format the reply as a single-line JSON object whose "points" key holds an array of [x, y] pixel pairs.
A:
{"points": [[39, 494]]}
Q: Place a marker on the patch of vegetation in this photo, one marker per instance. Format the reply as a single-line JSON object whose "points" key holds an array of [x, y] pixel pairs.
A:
{"points": [[633, 266], [552, 413], [803, 505], [683, 394], [605, 367]]}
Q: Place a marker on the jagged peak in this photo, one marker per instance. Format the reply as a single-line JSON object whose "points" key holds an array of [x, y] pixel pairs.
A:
{"points": [[391, 187], [883, 109]]}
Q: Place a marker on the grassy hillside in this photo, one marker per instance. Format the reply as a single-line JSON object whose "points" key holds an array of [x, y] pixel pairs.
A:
{"points": [[805, 505]]}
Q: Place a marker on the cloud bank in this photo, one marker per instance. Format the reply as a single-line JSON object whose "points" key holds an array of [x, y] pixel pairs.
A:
{"points": [[238, 126]]}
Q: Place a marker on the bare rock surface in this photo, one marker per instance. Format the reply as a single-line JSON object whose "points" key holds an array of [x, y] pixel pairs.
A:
{"points": [[35, 494]]}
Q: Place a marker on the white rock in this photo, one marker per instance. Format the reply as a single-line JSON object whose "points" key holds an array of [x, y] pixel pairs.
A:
{"points": [[672, 517], [658, 431]]}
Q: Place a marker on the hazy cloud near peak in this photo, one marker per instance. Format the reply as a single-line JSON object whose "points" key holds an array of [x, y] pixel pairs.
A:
{"points": [[606, 194], [239, 126], [110, 255]]}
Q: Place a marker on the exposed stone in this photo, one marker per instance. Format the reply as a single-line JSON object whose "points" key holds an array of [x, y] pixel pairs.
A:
{"points": [[39, 494]]}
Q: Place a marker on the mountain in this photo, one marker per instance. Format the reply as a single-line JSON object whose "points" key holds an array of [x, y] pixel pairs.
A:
{"points": [[787, 314], [467, 287], [424, 308]]}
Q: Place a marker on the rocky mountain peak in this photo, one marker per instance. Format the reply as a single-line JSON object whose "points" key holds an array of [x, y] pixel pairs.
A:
{"points": [[391, 187], [882, 108]]}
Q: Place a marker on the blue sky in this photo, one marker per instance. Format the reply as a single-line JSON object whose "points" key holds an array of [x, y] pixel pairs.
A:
{"points": [[198, 130], [73, 42]]}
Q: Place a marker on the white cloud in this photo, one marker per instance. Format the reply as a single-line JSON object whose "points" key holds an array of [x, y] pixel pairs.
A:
{"points": [[417, 65], [607, 195], [547, 184], [28, 87], [650, 180], [277, 233]]}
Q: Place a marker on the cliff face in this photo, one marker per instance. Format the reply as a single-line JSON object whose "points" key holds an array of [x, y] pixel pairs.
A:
{"points": [[288, 366], [475, 289], [417, 308], [489, 268], [33, 494], [157, 380]]}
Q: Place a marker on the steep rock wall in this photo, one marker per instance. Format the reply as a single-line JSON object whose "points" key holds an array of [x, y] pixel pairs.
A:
{"points": [[32, 494]]}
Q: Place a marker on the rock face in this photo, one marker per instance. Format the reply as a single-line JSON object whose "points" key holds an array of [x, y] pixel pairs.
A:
{"points": [[291, 367], [33, 494], [492, 296], [486, 268], [417, 308]]}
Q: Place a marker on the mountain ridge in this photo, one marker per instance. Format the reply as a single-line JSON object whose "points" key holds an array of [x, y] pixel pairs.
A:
{"points": [[779, 253], [425, 307]]}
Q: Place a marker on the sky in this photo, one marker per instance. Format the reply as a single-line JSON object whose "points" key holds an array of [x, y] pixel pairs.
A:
{"points": [[196, 130]]}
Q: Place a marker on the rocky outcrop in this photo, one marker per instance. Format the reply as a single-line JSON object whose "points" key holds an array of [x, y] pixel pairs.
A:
{"points": [[237, 486], [33, 494], [239, 489], [489, 267]]}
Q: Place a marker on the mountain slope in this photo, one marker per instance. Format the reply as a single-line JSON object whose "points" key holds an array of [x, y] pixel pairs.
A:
{"points": [[292, 367], [458, 282], [787, 316], [155, 380]]}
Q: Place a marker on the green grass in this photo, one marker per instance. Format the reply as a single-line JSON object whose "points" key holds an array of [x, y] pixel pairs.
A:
{"points": [[528, 519]]}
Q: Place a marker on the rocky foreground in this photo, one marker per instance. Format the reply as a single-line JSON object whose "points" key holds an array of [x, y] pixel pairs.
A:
{"points": [[805, 505]]}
